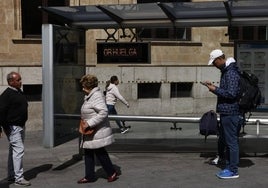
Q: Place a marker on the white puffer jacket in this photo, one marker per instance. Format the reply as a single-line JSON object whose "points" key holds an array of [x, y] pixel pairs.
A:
{"points": [[94, 111], [112, 94]]}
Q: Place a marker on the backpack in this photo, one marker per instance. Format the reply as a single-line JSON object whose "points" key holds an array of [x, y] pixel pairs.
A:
{"points": [[208, 124], [250, 94]]}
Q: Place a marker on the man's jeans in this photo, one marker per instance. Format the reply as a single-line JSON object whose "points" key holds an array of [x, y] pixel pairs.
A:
{"points": [[230, 126], [16, 152]]}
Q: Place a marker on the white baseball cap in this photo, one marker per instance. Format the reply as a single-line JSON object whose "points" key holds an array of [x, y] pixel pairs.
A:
{"points": [[213, 55]]}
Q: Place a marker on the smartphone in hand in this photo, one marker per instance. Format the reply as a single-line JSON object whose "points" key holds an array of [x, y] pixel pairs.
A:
{"points": [[204, 83]]}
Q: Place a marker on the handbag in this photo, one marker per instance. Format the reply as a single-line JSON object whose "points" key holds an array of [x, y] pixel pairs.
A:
{"points": [[86, 131]]}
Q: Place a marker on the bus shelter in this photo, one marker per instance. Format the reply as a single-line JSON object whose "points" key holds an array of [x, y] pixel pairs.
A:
{"points": [[64, 45]]}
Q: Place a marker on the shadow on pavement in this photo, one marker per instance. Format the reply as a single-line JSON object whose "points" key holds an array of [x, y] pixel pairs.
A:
{"points": [[76, 158], [32, 173], [243, 163], [100, 173], [4, 184]]}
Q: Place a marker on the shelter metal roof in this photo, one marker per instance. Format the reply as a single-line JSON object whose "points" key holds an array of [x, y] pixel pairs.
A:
{"points": [[179, 14]]}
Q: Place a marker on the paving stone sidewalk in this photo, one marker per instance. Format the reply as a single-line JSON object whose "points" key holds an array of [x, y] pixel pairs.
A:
{"points": [[62, 167]]}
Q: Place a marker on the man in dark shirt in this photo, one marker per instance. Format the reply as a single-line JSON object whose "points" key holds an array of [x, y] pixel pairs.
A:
{"points": [[227, 106], [13, 116]]}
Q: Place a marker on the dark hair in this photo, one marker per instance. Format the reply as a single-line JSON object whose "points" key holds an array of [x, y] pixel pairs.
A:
{"points": [[222, 56], [112, 80]]}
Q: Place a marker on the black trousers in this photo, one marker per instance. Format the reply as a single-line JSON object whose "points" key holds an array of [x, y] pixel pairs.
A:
{"points": [[104, 160]]}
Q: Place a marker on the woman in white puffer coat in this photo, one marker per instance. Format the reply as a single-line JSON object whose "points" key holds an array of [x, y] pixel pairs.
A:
{"points": [[95, 113]]}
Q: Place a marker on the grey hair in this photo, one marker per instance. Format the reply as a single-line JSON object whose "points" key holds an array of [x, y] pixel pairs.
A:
{"points": [[10, 76]]}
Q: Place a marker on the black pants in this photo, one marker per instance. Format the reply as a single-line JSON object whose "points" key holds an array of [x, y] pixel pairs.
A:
{"points": [[104, 159]]}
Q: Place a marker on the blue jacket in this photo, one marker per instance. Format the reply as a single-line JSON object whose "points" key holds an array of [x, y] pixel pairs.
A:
{"points": [[228, 90]]}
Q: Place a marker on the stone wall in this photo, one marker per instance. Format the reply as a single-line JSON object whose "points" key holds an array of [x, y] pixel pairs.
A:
{"points": [[172, 61], [200, 101]]}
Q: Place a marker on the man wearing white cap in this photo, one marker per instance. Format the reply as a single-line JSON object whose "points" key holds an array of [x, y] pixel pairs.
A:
{"points": [[227, 106]]}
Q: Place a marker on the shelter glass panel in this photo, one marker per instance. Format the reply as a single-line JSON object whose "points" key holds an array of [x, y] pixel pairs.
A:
{"points": [[167, 33], [68, 68]]}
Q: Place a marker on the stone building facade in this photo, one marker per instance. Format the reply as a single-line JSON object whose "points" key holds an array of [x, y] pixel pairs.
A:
{"points": [[171, 62]]}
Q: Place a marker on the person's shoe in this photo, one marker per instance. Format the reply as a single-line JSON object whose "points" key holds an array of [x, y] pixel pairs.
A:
{"points": [[217, 161], [84, 180], [227, 174], [113, 177], [222, 171], [124, 130], [23, 182]]}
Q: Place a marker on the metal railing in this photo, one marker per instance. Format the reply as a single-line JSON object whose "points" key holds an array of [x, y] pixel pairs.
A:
{"points": [[171, 119]]}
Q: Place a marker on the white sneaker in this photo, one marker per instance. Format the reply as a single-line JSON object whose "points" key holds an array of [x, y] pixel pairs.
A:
{"points": [[215, 161], [124, 130], [23, 182]]}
